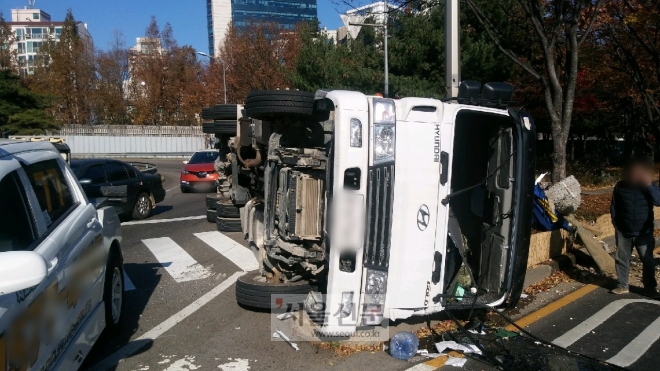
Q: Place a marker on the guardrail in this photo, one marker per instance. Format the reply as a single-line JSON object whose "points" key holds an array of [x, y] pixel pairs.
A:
{"points": [[182, 155]]}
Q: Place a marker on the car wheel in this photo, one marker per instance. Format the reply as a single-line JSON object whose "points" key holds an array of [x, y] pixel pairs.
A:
{"points": [[113, 293], [142, 206], [212, 201], [253, 290], [211, 215], [184, 190], [266, 104], [226, 209], [229, 224]]}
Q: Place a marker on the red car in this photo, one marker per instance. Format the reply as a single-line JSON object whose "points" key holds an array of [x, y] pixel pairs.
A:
{"points": [[198, 172]]}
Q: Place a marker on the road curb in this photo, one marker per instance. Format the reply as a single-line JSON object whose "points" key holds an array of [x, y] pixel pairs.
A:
{"points": [[546, 269]]}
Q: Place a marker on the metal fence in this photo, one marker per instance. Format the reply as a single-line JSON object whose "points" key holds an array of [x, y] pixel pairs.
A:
{"points": [[134, 146], [131, 130]]}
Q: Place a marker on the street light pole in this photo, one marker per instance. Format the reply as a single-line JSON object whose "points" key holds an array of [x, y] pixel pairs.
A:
{"points": [[224, 70], [386, 87]]}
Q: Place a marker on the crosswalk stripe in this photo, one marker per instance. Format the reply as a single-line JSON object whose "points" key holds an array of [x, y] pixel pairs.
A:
{"points": [[230, 249], [176, 261], [128, 284]]}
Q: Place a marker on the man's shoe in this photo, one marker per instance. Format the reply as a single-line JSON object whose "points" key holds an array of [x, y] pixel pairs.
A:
{"points": [[620, 291]]}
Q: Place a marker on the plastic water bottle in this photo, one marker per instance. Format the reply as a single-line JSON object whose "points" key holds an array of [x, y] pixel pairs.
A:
{"points": [[403, 345]]}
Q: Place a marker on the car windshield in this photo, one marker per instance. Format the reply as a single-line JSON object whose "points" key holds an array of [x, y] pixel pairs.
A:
{"points": [[203, 157]]}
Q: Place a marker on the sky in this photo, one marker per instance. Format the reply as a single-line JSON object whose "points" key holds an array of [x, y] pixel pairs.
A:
{"points": [[187, 17]]}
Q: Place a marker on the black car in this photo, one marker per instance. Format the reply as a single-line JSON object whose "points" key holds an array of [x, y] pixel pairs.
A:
{"points": [[131, 192]]}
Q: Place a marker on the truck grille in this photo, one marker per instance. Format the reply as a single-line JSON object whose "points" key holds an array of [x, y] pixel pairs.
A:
{"points": [[380, 195]]}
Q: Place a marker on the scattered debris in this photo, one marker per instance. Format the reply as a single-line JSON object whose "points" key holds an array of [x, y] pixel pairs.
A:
{"points": [[280, 335], [565, 195], [284, 316], [502, 333], [347, 349], [465, 348], [548, 283]]}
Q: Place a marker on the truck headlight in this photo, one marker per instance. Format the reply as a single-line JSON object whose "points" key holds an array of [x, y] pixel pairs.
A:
{"points": [[356, 133], [384, 140], [376, 286]]}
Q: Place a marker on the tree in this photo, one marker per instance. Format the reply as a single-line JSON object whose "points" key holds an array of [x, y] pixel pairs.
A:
{"points": [[65, 70], [110, 88], [557, 29], [22, 111], [165, 86], [256, 58], [7, 40]]}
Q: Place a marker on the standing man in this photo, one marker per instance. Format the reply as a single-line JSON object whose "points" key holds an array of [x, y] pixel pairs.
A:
{"points": [[632, 215]]}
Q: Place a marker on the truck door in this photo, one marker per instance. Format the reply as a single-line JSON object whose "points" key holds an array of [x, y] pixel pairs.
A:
{"points": [[415, 206]]}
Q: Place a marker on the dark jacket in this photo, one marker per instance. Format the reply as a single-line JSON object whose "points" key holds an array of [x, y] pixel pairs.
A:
{"points": [[632, 208]]}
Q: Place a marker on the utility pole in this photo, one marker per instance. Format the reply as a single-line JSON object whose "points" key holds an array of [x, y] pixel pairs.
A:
{"points": [[386, 89], [452, 47]]}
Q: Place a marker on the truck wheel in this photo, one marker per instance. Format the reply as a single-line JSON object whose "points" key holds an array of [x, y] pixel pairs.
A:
{"points": [[211, 215], [264, 104], [252, 290], [220, 127], [229, 224], [225, 112], [113, 293], [142, 206], [212, 201], [226, 209]]}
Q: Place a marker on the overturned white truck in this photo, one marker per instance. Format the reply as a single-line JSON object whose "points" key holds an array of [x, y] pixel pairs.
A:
{"points": [[393, 208]]}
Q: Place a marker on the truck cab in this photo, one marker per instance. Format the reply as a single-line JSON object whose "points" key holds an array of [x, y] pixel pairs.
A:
{"points": [[387, 209]]}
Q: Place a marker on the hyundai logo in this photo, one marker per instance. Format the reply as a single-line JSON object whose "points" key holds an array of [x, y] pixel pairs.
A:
{"points": [[423, 217]]}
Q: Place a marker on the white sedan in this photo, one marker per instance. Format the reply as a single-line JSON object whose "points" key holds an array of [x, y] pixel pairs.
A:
{"points": [[61, 265]]}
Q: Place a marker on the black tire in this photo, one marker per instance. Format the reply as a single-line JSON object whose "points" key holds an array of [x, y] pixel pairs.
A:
{"points": [[207, 113], [220, 127], [212, 201], [226, 209], [210, 215], [224, 112], [253, 291], [114, 274], [264, 104], [142, 207], [228, 224], [184, 190]]}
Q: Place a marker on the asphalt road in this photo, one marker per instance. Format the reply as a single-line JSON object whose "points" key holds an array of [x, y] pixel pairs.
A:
{"points": [[217, 334], [181, 314]]}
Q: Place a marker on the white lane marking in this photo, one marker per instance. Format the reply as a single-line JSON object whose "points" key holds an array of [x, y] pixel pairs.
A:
{"points": [[421, 367], [183, 364], [230, 249], [154, 333], [631, 352], [176, 261], [167, 190], [128, 284], [156, 221], [594, 321], [239, 364], [636, 348]]}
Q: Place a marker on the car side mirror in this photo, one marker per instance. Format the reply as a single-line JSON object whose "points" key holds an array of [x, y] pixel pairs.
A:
{"points": [[20, 270], [85, 182], [185, 162]]}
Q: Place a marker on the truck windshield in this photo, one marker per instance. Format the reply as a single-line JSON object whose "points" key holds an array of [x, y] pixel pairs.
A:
{"points": [[203, 157]]}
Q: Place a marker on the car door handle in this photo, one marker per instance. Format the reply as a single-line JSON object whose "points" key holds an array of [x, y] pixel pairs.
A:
{"points": [[52, 265], [91, 222]]}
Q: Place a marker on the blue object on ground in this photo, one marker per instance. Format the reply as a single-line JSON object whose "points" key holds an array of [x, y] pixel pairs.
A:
{"points": [[543, 216], [403, 345]]}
